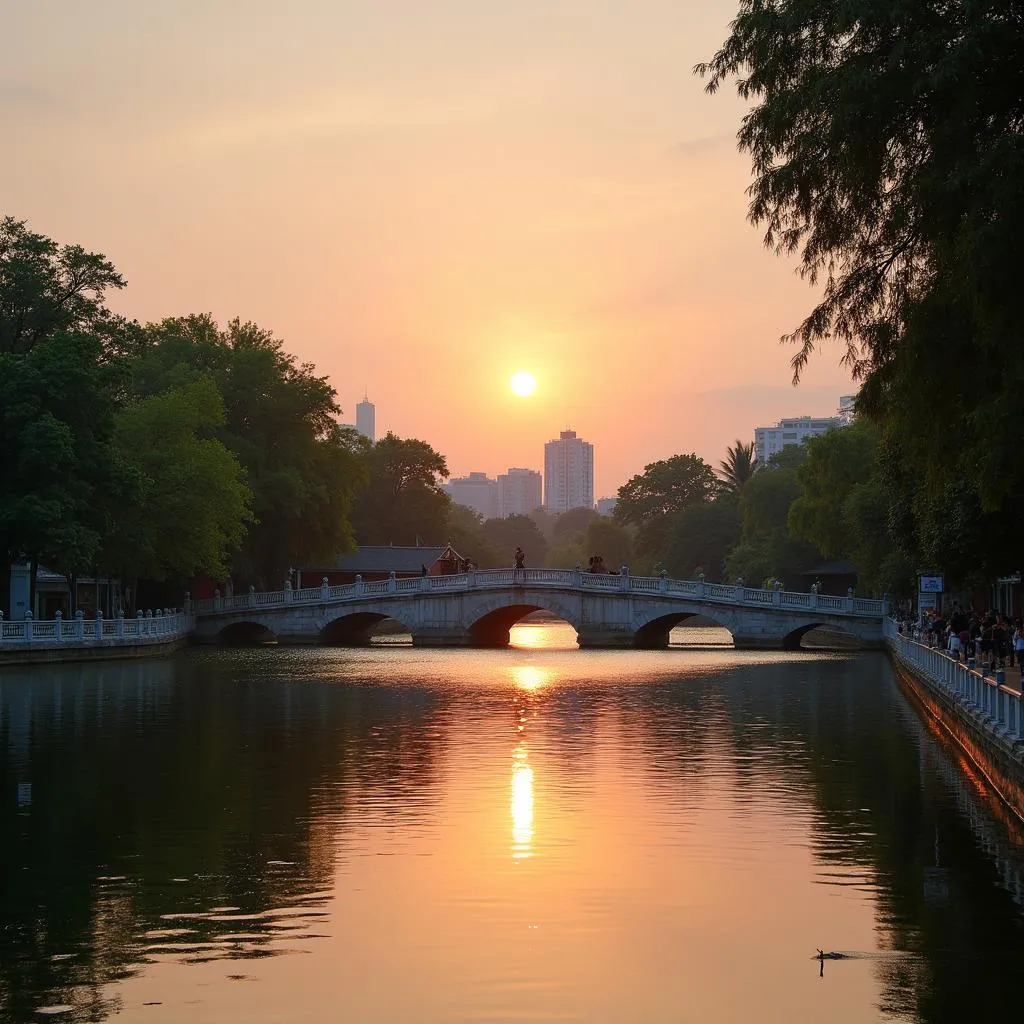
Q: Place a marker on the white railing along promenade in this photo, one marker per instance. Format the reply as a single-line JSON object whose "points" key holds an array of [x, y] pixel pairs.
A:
{"points": [[153, 627], [490, 579], [1000, 707]]}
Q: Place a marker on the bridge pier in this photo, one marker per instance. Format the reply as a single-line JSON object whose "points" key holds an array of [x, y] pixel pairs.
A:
{"points": [[604, 638]]}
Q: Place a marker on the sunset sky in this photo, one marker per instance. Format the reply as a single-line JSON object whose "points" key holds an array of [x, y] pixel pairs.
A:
{"points": [[422, 198]]}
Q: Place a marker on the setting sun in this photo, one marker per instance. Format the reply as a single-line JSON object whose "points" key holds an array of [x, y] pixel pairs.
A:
{"points": [[523, 384]]}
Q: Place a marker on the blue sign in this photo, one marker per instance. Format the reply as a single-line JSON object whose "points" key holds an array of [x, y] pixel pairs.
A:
{"points": [[930, 584]]}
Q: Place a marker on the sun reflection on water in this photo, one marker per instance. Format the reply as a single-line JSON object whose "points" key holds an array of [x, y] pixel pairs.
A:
{"points": [[522, 805], [530, 677]]}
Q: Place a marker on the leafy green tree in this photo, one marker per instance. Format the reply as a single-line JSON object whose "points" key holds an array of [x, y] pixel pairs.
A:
{"points": [[649, 500], [835, 463], [738, 466], [505, 535], [191, 505], [402, 501], [888, 157], [701, 538], [567, 555], [766, 548], [573, 523], [59, 469], [280, 423], [48, 289], [612, 541], [790, 457], [466, 534]]}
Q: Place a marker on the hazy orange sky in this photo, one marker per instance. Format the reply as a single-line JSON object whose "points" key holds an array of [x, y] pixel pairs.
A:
{"points": [[421, 198]]}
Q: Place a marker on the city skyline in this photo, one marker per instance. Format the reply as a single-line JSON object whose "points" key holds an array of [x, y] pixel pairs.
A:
{"points": [[411, 197]]}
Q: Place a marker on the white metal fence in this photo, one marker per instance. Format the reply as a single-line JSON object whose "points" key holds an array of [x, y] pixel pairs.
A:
{"points": [[1000, 707]]}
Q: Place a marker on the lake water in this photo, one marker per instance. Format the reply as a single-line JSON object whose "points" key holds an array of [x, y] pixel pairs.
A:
{"points": [[537, 834]]}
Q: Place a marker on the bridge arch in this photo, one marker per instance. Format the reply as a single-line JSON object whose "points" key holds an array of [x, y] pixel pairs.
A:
{"points": [[793, 641], [355, 629], [654, 634], [246, 634], [489, 623]]}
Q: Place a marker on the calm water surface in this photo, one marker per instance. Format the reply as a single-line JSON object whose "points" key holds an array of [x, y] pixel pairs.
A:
{"points": [[536, 834]]}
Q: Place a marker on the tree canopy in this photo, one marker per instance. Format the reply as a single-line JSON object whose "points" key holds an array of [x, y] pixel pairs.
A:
{"points": [[738, 466], [402, 501], [887, 143]]}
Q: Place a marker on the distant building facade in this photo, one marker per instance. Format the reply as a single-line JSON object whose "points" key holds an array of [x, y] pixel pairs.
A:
{"points": [[519, 492], [769, 441], [568, 473], [846, 412], [606, 506], [366, 419], [476, 491]]}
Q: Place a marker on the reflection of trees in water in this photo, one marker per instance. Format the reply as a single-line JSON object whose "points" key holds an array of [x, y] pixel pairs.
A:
{"points": [[892, 814], [196, 815]]}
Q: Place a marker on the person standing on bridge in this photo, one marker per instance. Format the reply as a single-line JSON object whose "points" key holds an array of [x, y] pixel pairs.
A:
{"points": [[519, 558]]}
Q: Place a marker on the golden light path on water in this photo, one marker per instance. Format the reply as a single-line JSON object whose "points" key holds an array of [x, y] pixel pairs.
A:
{"points": [[397, 834]]}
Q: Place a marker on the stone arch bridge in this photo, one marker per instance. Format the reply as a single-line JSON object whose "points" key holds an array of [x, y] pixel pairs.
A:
{"points": [[477, 609]]}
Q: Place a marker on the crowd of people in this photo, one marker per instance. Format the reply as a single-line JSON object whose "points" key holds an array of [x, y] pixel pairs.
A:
{"points": [[595, 563], [990, 638]]}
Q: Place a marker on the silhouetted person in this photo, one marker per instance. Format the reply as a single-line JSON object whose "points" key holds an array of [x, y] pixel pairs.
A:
{"points": [[423, 570], [519, 557]]}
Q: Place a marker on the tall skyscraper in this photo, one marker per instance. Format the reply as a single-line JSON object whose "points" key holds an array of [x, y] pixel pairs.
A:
{"points": [[568, 473], [476, 491], [518, 492], [366, 418]]}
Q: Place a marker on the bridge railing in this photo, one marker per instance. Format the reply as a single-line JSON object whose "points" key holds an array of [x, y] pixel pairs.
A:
{"points": [[724, 593], [1000, 707], [66, 632]]}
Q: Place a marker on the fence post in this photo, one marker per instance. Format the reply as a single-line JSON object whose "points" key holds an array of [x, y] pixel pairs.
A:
{"points": [[98, 624], [663, 585], [57, 616], [79, 625], [624, 580], [119, 626], [288, 591], [392, 582], [149, 621], [218, 601], [252, 596], [28, 626], [325, 590]]}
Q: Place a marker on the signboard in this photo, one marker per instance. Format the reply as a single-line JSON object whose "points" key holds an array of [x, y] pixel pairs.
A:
{"points": [[929, 584], [926, 602]]}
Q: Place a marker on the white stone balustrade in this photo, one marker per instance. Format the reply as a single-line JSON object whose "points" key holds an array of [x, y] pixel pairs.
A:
{"points": [[855, 607], [1000, 707], [59, 632]]}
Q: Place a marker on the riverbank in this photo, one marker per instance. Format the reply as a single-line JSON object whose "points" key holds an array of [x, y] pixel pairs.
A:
{"points": [[89, 650], [980, 716]]}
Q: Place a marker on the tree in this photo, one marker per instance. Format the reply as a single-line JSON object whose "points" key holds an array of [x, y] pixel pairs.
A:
{"points": [[402, 501], [766, 548], [888, 155], [573, 524], [610, 540], [836, 462], [738, 467], [649, 500], [48, 289], [466, 534], [191, 504], [505, 535], [701, 538], [57, 464], [281, 424]]}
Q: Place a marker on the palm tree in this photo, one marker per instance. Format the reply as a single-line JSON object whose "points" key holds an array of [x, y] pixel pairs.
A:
{"points": [[738, 467]]}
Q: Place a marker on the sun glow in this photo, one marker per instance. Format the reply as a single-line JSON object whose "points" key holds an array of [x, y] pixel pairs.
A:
{"points": [[523, 384]]}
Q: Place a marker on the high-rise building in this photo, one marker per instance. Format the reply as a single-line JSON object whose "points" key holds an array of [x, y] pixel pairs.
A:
{"points": [[769, 441], [846, 412], [606, 506], [476, 491], [366, 419], [568, 473], [518, 492]]}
